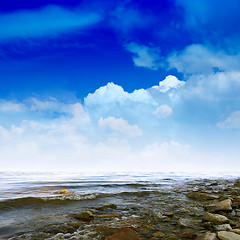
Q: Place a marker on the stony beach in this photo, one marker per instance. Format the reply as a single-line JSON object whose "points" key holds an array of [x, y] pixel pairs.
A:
{"points": [[171, 209]]}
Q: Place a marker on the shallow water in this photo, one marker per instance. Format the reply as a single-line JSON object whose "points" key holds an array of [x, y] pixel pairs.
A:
{"points": [[31, 206]]}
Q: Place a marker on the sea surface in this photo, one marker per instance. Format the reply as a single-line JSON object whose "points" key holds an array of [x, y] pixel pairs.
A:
{"points": [[31, 206]]}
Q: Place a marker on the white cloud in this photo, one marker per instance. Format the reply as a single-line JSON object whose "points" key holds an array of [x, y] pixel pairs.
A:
{"points": [[121, 126], [117, 130], [145, 56], [163, 111], [50, 20], [170, 82], [233, 121], [115, 93], [9, 106], [60, 149], [200, 59]]}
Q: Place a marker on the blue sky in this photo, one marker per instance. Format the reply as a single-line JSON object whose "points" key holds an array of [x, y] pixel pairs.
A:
{"points": [[120, 85]]}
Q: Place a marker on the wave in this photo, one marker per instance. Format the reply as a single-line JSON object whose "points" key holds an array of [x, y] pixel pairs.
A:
{"points": [[26, 201], [19, 202]]}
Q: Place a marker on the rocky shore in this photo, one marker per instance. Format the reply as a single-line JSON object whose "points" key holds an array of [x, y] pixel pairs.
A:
{"points": [[200, 209]]}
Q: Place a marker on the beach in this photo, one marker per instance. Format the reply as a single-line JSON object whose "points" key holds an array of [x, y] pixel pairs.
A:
{"points": [[154, 205]]}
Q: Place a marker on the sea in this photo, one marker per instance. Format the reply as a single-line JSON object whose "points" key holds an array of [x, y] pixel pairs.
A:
{"points": [[32, 207]]}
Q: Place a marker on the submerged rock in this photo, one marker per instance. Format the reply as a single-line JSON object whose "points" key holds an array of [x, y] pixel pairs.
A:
{"points": [[207, 236], [188, 235], [158, 234], [114, 215], [185, 222], [202, 196], [107, 206], [215, 218], [85, 216], [225, 205], [126, 234], [224, 235]]}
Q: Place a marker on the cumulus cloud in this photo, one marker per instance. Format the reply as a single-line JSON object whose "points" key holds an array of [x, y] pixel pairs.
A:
{"points": [[145, 56], [138, 106], [115, 93], [170, 82], [120, 126], [47, 21], [163, 111], [232, 121]]}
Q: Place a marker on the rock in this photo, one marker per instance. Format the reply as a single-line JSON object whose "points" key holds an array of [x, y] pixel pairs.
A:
{"points": [[215, 218], [85, 216], [188, 235], [207, 236], [185, 222], [208, 226], [223, 227], [169, 214], [158, 235], [201, 196], [107, 206], [224, 205], [224, 235], [236, 231], [126, 234], [114, 215], [64, 191]]}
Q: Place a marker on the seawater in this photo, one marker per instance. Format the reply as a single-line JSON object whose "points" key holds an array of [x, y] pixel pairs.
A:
{"points": [[31, 206]]}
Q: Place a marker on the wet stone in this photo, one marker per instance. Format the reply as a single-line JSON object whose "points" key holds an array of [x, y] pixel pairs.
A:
{"points": [[201, 196], [215, 218], [223, 227], [188, 235], [126, 234], [224, 235], [158, 234], [207, 236], [85, 216], [225, 205], [185, 222], [107, 206]]}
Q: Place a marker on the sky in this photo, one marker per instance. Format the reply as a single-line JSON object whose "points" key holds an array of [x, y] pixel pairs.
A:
{"points": [[124, 85]]}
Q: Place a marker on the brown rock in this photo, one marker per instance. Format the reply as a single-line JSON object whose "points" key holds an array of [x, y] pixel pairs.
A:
{"points": [[169, 214], [215, 218], [188, 235], [224, 235], [126, 234], [85, 216], [158, 234], [225, 205], [207, 236], [236, 231], [107, 206], [201, 196]]}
